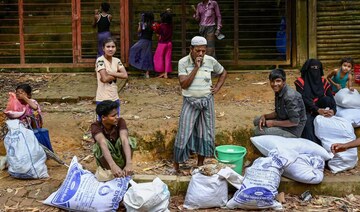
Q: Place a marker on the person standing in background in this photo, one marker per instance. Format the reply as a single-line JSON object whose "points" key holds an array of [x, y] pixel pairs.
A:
{"points": [[108, 69], [141, 56], [208, 14], [163, 53], [102, 20]]}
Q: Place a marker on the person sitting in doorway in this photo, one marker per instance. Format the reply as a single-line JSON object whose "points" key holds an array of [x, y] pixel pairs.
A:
{"points": [[289, 118], [112, 148]]}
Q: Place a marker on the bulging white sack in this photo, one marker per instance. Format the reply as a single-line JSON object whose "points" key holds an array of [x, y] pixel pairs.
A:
{"points": [[266, 143], [347, 99], [81, 191], [336, 130], [352, 115], [147, 197], [206, 191], [25, 156], [307, 168], [260, 184]]}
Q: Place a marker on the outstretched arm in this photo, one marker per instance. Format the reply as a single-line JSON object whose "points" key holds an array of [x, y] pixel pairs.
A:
{"points": [[335, 148]]}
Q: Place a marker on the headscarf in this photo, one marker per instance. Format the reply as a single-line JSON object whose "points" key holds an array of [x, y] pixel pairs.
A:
{"points": [[312, 72]]}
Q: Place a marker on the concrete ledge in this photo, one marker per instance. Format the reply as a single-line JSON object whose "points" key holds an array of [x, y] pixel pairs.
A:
{"points": [[331, 185]]}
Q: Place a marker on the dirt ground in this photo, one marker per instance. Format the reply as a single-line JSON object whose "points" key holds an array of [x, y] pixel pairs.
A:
{"points": [[148, 106]]}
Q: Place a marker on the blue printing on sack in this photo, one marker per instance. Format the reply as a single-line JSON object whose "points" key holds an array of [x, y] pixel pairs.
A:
{"points": [[42, 135]]}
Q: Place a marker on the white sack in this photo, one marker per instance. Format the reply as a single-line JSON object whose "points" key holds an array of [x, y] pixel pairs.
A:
{"points": [[25, 156], [147, 197], [261, 181], [266, 143], [336, 130], [80, 191], [231, 176], [3, 162], [206, 191], [352, 115], [307, 168], [347, 99]]}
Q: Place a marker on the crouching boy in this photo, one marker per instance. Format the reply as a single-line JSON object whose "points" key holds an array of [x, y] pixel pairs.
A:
{"points": [[112, 148]]}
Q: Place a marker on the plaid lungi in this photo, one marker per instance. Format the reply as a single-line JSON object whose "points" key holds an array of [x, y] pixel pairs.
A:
{"points": [[196, 128]]}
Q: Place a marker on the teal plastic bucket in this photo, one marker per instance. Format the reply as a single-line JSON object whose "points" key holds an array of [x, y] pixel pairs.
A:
{"points": [[231, 154]]}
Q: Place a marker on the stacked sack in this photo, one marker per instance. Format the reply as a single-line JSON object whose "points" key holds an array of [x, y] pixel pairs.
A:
{"points": [[348, 106], [307, 159], [337, 130], [261, 181]]}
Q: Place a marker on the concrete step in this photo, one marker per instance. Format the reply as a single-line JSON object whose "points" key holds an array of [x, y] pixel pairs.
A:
{"points": [[331, 185]]}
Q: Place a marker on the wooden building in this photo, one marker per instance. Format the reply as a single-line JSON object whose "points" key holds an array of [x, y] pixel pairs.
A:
{"points": [[58, 33]]}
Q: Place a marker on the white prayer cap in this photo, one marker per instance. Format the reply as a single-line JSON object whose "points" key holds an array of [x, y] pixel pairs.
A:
{"points": [[198, 41]]}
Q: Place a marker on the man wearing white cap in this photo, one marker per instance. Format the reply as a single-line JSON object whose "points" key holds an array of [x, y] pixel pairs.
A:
{"points": [[196, 131]]}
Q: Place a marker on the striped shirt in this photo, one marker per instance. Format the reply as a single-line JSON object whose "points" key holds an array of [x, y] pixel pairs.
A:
{"points": [[202, 83]]}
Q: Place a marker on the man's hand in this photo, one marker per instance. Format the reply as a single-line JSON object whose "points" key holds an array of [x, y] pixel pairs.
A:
{"points": [[262, 122], [217, 32], [335, 148], [328, 113], [214, 90], [128, 170], [269, 123], [198, 62], [116, 171]]}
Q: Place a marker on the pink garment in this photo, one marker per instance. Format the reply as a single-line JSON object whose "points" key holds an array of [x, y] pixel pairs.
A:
{"points": [[208, 14], [29, 112], [162, 57]]}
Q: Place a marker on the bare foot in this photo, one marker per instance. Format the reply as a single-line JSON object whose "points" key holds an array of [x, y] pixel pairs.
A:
{"points": [[161, 76]]}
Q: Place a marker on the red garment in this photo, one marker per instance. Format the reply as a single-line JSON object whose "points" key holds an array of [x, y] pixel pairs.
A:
{"points": [[165, 31]]}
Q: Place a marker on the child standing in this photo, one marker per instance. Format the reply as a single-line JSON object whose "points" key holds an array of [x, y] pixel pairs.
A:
{"points": [[102, 20], [163, 53], [108, 69], [338, 79], [32, 116], [141, 52]]}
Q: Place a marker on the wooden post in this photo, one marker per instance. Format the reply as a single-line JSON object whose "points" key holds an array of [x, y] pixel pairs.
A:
{"points": [[21, 31], [301, 31], [236, 32], [183, 28], [124, 31], [74, 30], [312, 9]]}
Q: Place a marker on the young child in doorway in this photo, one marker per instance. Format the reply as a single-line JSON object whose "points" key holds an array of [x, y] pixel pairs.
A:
{"points": [[108, 69], [339, 78], [163, 53], [141, 56], [32, 116]]}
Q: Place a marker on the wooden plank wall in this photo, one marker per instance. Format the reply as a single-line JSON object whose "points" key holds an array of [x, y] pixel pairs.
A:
{"points": [[338, 30]]}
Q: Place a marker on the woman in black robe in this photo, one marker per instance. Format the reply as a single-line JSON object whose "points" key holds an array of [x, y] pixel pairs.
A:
{"points": [[317, 96]]}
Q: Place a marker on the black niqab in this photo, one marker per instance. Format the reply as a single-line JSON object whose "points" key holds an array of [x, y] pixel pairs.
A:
{"points": [[312, 72]]}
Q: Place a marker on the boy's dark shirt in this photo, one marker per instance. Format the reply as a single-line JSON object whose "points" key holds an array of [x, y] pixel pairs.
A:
{"points": [[290, 106], [112, 135]]}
